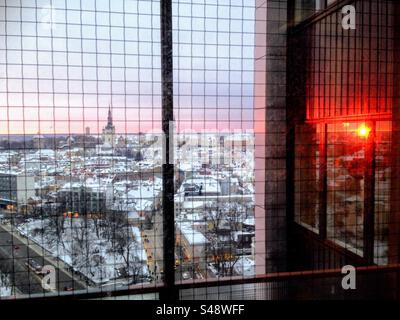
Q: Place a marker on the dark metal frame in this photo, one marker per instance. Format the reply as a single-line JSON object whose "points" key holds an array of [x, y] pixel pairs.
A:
{"points": [[270, 278], [369, 200], [169, 291], [394, 232], [323, 186]]}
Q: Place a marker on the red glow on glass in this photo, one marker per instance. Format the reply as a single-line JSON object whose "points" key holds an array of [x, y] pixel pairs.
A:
{"points": [[363, 131]]}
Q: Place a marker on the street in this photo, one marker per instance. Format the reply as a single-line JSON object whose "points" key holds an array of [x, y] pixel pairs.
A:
{"points": [[153, 244], [14, 253]]}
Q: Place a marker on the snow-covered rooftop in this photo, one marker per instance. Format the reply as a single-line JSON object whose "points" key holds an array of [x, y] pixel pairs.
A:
{"points": [[192, 236]]}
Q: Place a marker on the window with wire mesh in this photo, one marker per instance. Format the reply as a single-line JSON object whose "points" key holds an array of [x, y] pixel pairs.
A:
{"points": [[349, 98], [80, 146], [81, 150], [213, 44]]}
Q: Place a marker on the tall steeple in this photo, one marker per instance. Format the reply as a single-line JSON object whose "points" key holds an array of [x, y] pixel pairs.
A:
{"points": [[109, 129], [109, 119]]}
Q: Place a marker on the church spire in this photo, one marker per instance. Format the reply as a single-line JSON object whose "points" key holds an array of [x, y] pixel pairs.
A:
{"points": [[109, 119]]}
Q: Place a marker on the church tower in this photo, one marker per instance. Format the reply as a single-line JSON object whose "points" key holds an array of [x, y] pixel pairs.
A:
{"points": [[109, 129]]}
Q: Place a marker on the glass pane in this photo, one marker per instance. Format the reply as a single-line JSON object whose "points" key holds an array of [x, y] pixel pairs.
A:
{"points": [[80, 150], [213, 109], [307, 177], [345, 179], [383, 172]]}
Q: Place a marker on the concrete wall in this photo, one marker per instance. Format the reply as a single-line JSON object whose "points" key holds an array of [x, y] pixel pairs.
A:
{"points": [[270, 135]]}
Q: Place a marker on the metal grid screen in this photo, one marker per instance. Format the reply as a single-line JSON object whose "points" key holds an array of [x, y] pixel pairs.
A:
{"points": [[197, 149]]}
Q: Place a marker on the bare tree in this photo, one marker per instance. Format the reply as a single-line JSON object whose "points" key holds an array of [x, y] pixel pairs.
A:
{"points": [[56, 224], [113, 222], [133, 265], [222, 244], [127, 246]]}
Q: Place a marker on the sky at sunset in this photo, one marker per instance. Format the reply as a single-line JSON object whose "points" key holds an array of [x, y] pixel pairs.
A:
{"points": [[60, 69]]}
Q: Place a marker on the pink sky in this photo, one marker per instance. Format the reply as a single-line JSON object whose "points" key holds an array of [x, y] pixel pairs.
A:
{"points": [[73, 71]]}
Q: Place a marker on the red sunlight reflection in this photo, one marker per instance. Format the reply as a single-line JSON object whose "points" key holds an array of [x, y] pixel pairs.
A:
{"points": [[363, 131]]}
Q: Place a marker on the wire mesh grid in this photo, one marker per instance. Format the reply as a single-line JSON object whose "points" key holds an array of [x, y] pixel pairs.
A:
{"points": [[254, 185]]}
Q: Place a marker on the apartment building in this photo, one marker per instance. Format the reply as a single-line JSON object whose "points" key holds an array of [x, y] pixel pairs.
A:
{"points": [[16, 188]]}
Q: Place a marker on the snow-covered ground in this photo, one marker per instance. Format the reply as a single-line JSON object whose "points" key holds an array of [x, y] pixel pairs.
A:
{"points": [[93, 254]]}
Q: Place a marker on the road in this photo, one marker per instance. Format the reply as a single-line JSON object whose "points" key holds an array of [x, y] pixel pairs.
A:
{"points": [[154, 250], [14, 252], [153, 244]]}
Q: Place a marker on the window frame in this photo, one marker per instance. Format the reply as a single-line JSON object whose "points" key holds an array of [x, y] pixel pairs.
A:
{"points": [[369, 193]]}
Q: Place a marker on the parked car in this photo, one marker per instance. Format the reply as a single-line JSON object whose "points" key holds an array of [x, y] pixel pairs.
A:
{"points": [[36, 267]]}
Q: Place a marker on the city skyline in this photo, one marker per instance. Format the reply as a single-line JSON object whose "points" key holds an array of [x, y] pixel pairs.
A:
{"points": [[61, 66]]}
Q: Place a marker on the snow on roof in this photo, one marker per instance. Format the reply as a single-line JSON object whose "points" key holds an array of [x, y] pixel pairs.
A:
{"points": [[245, 266], [134, 215], [98, 186], [209, 184], [9, 172], [192, 236], [143, 204], [150, 191], [186, 166], [35, 198], [249, 221], [45, 152], [190, 205], [194, 217]]}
